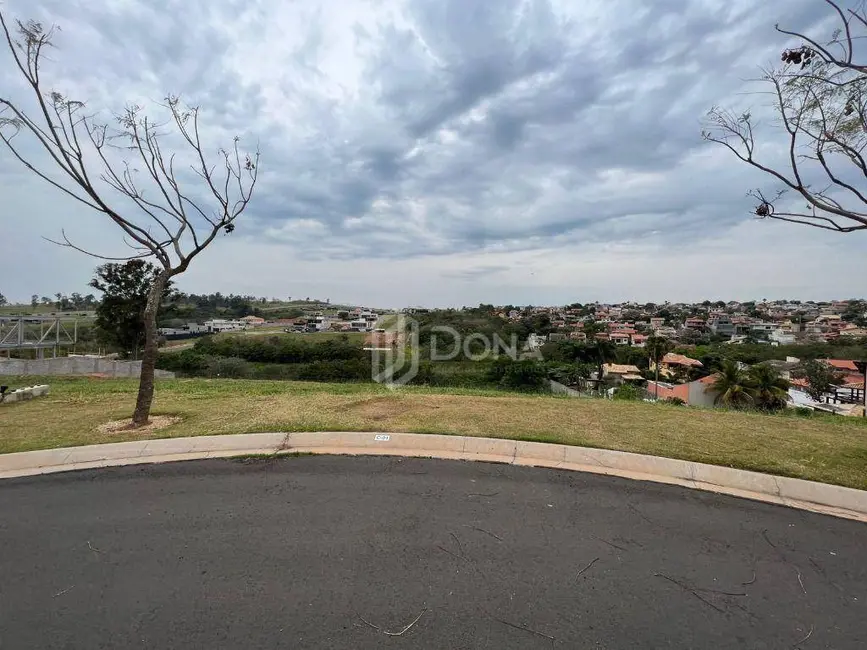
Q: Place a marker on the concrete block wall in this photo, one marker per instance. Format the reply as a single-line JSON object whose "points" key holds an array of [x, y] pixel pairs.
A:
{"points": [[24, 394], [72, 366]]}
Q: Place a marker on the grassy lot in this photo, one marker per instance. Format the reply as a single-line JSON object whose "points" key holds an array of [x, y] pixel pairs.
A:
{"points": [[833, 450], [387, 320], [44, 310]]}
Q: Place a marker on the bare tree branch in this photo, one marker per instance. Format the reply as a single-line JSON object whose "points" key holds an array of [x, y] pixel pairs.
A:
{"points": [[83, 150], [68, 244], [820, 99]]}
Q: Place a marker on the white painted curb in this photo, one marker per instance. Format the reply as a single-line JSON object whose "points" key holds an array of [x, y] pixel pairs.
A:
{"points": [[796, 493]]}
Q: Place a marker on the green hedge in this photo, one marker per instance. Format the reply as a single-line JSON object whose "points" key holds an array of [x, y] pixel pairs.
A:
{"points": [[281, 349]]}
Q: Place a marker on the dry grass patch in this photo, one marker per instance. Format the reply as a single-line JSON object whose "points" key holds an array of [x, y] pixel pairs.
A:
{"points": [[155, 423]]}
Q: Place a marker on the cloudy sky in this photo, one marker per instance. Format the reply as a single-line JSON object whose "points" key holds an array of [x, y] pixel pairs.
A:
{"points": [[444, 152]]}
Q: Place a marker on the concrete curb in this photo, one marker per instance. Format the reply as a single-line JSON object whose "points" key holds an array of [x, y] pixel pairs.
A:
{"points": [[805, 495]]}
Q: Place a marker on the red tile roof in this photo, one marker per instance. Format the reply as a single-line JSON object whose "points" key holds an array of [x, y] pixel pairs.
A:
{"points": [[842, 364], [666, 392], [681, 360]]}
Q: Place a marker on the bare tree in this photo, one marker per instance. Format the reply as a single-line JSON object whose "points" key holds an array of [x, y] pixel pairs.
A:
{"points": [[159, 215], [818, 96]]}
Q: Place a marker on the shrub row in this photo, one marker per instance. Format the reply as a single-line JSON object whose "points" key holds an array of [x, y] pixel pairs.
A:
{"points": [[280, 349]]}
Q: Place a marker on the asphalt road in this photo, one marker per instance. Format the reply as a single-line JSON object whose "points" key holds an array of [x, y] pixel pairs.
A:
{"points": [[331, 552]]}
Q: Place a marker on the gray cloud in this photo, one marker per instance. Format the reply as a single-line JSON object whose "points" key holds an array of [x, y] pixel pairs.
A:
{"points": [[411, 127]]}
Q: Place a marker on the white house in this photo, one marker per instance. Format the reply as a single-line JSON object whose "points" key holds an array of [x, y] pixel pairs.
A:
{"points": [[189, 328], [221, 325], [781, 337], [535, 341], [318, 324]]}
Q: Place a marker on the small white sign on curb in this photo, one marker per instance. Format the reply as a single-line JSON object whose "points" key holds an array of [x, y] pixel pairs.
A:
{"points": [[382, 437]]}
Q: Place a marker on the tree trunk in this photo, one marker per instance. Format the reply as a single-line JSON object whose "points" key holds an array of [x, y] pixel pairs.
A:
{"points": [[149, 357]]}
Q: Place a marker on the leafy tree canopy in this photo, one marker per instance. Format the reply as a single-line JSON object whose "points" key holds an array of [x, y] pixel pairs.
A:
{"points": [[120, 315]]}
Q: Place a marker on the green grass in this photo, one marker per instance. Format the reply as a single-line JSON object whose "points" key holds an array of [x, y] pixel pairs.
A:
{"points": [[44, 310], [827, 449], [309, 337]]}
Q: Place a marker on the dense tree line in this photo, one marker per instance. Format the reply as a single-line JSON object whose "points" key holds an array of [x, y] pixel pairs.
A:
{"points": [[842, 348]]}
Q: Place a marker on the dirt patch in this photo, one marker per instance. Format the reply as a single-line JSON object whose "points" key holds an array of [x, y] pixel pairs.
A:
{"points": [[392, 407], [156, 423], [380, 408]]}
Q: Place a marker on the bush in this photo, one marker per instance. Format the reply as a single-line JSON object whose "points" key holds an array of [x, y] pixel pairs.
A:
{"points": [[674, 401], [229, 368], [527, 375], [472, 374], [325, 371], [350, 370], [276, 349], [425, 375], [629, 392], [570, 373], [803, 411], [497, 370], [187, 362]]}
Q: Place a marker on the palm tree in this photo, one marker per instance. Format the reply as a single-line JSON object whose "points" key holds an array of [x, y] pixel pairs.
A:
{"points": [[657, 347], [733, 385], [770, 390]]}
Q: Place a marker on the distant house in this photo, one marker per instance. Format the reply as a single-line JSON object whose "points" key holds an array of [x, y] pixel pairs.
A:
{"points": [[639, 340], [853, 330], [621, 373], [666, 332], [781, 337], [252, 320], [851, 376], [318, 324], [762, 327], [786, 367], [220, 325], [578, 336], [186, 331], [844, 365], [620, 338], [694, 393], [535, 341], [672, 363], [722, 325]]}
